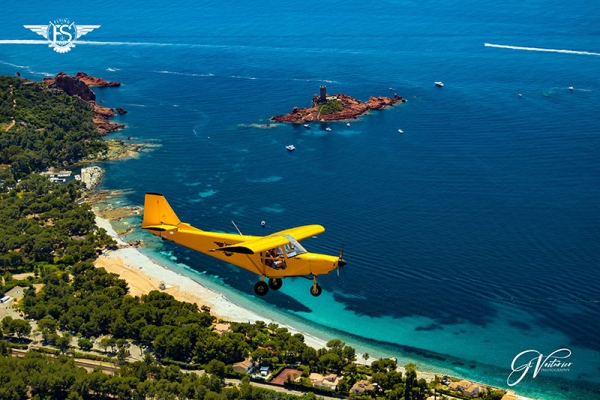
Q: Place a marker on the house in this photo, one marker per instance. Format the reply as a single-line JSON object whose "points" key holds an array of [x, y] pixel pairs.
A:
{"points": [[361, 387], [328, 381], [287, 373], [221, 328], [467, 388], [265, 370], [475, 390], [244, 367]]}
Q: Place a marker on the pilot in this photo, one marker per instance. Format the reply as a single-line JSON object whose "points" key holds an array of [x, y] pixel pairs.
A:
{"points": [[279, 262]]}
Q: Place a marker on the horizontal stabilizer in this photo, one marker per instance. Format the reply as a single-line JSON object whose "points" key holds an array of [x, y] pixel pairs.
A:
{"points": [[161, 227]]}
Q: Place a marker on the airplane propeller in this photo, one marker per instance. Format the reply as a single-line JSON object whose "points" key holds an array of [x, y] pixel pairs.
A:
{"points": [[341, 261]]}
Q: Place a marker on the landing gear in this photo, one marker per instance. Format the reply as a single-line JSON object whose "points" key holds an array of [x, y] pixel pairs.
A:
{"points": [[261, 288], [316, 290], [275, 283]]}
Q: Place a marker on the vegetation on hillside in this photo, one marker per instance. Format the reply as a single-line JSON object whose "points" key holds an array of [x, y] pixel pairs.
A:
{"points": [[41, 223], [41, 127]]}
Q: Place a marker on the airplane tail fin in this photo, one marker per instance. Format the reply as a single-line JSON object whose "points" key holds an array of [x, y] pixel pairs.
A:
{"points": [[158, 214]]}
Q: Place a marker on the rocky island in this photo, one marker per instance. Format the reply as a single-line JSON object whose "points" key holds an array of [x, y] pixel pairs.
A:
{"points": [[338, 107]]}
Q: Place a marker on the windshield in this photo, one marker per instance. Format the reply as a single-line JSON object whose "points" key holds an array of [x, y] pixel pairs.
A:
{"points": [[293, 248]]}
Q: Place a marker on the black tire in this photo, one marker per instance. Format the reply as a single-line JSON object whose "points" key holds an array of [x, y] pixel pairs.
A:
{"points": [[275, 283], [261, 288], [316, 292]]}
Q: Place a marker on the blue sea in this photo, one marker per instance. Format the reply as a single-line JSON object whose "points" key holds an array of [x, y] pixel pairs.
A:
{"points": [[471, 238]]}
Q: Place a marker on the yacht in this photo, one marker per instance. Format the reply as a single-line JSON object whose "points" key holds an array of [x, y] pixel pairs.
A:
{"points": [[400, 131], [328, 129], [440, 84], [290, 147]]}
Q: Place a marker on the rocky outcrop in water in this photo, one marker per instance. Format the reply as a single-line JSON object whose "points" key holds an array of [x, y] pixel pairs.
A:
{"points": [[93, 81], [349, 108]]}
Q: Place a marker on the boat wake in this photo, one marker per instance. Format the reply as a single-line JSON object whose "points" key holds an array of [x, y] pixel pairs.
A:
{"points": [[183, 73], [502, 46]]}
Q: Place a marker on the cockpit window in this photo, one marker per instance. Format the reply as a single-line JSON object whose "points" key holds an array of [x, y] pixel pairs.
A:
{"points": [[293, 248]]}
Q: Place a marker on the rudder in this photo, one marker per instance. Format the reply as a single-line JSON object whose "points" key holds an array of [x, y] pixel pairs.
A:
{"points": [[158, 214]]}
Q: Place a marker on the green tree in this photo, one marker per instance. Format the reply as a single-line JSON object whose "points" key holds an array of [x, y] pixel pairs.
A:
{"points": [[85, 344]]}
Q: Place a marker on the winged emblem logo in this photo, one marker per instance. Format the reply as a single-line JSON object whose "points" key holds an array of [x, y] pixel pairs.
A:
{"points": [[61, 34]]}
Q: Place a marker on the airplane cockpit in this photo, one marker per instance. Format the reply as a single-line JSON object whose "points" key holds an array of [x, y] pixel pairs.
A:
{"points": [[277, 257]]}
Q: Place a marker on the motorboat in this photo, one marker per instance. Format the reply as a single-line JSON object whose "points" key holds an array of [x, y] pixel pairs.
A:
{"points": [[440, 84], [290, 147], [400, 131], [307, 126], [348, 124], [571, 88], [328, 129]]}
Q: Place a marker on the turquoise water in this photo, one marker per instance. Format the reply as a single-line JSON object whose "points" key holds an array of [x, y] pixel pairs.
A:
{"points": [[470, 238]]}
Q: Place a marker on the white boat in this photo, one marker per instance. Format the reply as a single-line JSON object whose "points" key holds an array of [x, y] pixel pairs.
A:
{"points": [[307, 126], [290, 147], [440, 84], [348, 124], [400, 131], [571, 88], [328, 129]]}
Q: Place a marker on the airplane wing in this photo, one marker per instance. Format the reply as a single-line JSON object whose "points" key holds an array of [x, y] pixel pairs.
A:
{"points": [[85, 29], [302, 232], [41, 30], [256, 245]]}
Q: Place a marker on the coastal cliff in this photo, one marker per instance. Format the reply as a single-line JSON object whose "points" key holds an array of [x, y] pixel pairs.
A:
{"points": [[79, 86], [338, 107]]}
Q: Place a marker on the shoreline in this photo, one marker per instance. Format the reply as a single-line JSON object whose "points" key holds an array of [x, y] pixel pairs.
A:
{"points": [[143, 275]]}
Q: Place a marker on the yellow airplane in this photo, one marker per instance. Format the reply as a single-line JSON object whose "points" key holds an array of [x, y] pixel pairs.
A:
{"points": [[275, 256]]}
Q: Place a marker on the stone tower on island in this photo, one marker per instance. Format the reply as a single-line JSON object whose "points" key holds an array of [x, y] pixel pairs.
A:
{"points": [[323, 94]]}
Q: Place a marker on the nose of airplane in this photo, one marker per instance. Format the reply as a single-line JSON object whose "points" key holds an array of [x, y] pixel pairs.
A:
{"points": [[341, 262]]}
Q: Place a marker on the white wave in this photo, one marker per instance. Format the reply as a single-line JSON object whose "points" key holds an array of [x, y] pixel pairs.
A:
{"points": [[502, 46], [314, 80], [14, 65], [244, 77], [182, 73]]}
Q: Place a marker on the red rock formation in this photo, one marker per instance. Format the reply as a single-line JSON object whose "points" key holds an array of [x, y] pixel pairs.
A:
{"points": [[352, 109], [71, 86], [101, 116], [92, 81], [78, 86]]}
